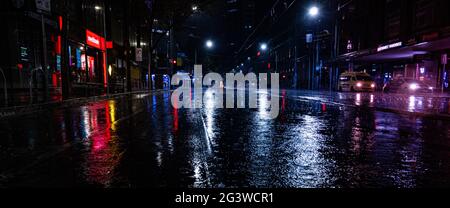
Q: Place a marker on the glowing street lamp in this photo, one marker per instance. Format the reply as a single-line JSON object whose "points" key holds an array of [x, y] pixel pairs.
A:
{"points": [[313, 11], [209, 44], [263, 46]]}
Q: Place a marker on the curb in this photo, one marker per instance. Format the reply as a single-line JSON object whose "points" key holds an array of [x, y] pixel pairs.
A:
{"points": [[387, 110], [15, 111]]}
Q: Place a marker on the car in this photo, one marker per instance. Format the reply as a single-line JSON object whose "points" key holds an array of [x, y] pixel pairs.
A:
{"points": [[356, 82], [407, 85]]}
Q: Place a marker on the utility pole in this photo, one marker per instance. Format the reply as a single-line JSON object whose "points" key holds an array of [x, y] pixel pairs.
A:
{"points": [[65, 66], [149, 4], [150, 51], [105, 9], [138, 40], [171, 52], [44, 57], [126, 41], [295, 78]]}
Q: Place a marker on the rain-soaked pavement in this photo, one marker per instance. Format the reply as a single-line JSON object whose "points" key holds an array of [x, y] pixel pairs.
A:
{"points": [[143, 142]]}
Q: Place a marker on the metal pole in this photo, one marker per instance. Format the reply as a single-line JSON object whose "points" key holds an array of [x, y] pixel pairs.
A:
{"points": [[443, 78], [5, 85], [106, 50], [44, 52], [196, 56], [150, 51], [276, 61]]}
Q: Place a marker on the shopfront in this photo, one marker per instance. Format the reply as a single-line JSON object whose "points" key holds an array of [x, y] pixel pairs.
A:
{"points": [[419, 60], [88, 68]]}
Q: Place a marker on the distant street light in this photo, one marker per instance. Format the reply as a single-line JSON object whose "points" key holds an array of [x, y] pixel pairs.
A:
{"points": [[263, 46], [313, 11], [209, 44], [98, 8]]}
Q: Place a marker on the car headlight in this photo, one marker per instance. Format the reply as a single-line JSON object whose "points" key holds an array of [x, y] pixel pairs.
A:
{"points": [[414, 86], [359, 84], [372, 85]]}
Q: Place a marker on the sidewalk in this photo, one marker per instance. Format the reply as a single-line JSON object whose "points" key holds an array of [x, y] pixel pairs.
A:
{"points": [[422, 105], [58, 103]]}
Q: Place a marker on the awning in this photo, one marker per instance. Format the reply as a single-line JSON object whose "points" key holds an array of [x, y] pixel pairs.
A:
{"points": [[405, 53]]}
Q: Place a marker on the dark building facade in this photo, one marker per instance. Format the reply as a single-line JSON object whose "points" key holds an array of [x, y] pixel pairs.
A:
{"points": [[284, 27], [72, 48], [395, 38]]}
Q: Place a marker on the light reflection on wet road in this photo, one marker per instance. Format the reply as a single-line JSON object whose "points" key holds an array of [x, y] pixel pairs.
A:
{"points": [[144, 142]]}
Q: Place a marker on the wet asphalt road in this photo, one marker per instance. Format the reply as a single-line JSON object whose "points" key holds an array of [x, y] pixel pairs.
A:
{"points": [[143, 142]]}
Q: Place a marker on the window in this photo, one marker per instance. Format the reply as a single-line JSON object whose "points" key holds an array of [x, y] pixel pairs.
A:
{"points": [[424, 14]]}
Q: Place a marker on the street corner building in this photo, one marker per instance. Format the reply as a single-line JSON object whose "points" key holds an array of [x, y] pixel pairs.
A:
{"points": [[58, 49], [389, 39], [318, 94]]}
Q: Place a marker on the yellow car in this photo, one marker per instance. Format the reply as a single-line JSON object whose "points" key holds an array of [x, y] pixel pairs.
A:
{"points": [[356, 82]]}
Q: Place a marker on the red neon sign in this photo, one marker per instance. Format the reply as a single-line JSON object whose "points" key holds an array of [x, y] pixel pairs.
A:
{"points": [[60, 20], [109, 45], [58, 45], [95, 40]]}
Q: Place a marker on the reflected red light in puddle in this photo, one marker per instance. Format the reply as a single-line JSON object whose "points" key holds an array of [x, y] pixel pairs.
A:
{"points": [[101, 141], [100, 161]]}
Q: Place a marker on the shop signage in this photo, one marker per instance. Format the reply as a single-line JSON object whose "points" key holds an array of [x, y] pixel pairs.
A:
{"points": [[309, 38], [390, 46], [24, 56], [95, 40], [109, 45], [138, 54], [78, 55], [58, 62]]}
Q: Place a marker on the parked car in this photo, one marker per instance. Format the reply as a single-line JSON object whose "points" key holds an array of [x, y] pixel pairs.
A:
{"points": [[407, 85], [356, 82]]}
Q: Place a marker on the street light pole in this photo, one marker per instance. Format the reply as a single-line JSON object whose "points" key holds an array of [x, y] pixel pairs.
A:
{"points": [[314, 12], [44, 56], [106, 50], [195, 61]]}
